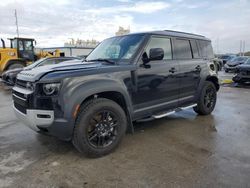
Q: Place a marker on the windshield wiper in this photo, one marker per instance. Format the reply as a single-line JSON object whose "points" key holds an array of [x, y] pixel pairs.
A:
{"points": [[101, 59]]}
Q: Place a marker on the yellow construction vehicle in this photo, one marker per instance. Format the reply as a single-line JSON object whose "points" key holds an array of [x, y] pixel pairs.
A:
{"points": [[21, 53]]}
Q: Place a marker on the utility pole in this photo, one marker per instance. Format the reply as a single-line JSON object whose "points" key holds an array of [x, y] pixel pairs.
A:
{"points": [[17, 30], [217, 45], [240, 47], [243, 50]]}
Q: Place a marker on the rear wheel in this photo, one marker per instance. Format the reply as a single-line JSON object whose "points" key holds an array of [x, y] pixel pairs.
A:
{"points": [[99, 127], [207, 99], [15, 65]]}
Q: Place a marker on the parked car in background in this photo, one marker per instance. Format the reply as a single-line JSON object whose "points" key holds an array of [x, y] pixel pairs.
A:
{"points": [[231, 65], [9, 77], [243, 73], [226, 58], [218, 64]]}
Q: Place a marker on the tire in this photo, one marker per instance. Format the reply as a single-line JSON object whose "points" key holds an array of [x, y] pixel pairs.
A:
{"points": [[206, 101], [15, 65], [94, 135]]}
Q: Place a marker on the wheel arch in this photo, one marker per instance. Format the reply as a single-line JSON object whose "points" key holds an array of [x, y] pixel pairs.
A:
{"points": [[214, 80], [13, 61], [115, 96], [109, 89]]}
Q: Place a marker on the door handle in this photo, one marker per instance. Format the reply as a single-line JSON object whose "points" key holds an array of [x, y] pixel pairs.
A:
{"points": [[198, 68], [172, 70]]}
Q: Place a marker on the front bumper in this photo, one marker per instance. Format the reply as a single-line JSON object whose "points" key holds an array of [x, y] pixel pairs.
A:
{"points": [[36, 119], [230, 68], [241, 78], [47, 121]]}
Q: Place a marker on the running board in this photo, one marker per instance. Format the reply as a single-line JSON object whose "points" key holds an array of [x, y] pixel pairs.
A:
{"points": [[172, 112]]}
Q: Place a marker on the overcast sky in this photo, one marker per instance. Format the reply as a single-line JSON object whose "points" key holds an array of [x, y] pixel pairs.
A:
{"points": [[53, 22]]}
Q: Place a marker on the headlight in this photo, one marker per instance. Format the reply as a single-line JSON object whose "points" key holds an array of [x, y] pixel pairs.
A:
{"points": [[30, 86], [51, 89]]}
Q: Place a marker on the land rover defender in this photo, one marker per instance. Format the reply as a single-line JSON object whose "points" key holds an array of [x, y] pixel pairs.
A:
{"points": [[124, 79]]}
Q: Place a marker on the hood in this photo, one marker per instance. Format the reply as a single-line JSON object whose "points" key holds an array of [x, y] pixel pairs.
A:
{"points": [[234, 63], [13, 71], [35, 74]]}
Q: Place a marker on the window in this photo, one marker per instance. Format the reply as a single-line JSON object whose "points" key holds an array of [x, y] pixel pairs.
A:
{"points": [[160, 42], [28, 45], [47, 62], [20, 45], [206, 49], [183, 49], [62, 60], [194, 49]]}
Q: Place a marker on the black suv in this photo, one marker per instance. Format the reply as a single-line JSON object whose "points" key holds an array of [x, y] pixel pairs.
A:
{"points": [[125, 79]]}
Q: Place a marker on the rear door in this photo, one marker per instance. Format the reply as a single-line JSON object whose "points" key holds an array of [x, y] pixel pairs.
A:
{"points": [[187, 54]]}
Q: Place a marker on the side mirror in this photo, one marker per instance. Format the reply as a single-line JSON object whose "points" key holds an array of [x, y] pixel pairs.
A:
{"points": [[156, 54]]}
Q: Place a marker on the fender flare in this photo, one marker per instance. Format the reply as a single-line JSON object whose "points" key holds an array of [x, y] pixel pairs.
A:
{"points": [[77, 94]]}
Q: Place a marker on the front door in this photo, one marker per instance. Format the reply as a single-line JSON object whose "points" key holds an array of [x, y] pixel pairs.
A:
{"points": [[157, 85]]}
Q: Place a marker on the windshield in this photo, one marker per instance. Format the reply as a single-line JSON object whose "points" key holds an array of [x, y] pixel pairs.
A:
{"points": [[241, 59], [248, 61], [116, 48], [14, 43], [35, 63]]}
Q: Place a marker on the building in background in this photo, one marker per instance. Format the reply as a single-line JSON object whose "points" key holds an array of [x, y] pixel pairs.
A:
{"points": [[81, 43], [122, 31], [69, 51]]}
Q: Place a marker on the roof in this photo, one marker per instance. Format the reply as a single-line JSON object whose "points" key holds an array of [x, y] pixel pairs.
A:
{"points": [[174, 34], [66, 47], [62, 57], [21, 38]]}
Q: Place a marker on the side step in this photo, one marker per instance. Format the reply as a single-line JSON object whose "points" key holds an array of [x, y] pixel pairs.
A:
{"points": [[172, 112], [158, 116]]}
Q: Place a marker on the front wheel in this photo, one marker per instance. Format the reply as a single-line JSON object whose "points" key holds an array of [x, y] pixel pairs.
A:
{"points": [[15, 65], [207, 99], [99, 127]]}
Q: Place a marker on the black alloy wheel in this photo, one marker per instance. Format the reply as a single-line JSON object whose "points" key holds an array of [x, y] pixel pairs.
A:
{"points": [[102, 130], [99, 128]]}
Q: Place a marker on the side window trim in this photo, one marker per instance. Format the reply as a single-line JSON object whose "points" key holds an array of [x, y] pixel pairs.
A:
{"points": [[198, 48]]}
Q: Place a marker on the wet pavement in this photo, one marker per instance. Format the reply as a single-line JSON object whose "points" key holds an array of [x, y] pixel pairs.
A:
{"points": [[182, 150]]}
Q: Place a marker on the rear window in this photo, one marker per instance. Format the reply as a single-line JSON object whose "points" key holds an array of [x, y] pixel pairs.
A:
{"points": [[194, 49], [248, 61], [206, 49], [182, 49]]}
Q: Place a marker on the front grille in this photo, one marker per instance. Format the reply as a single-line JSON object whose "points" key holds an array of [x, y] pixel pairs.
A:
{"points": [[20, 108], [19, 94], [21, 83]]}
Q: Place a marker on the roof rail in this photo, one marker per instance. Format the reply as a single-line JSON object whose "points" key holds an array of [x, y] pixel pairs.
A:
{"points": [[185, 33]]}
